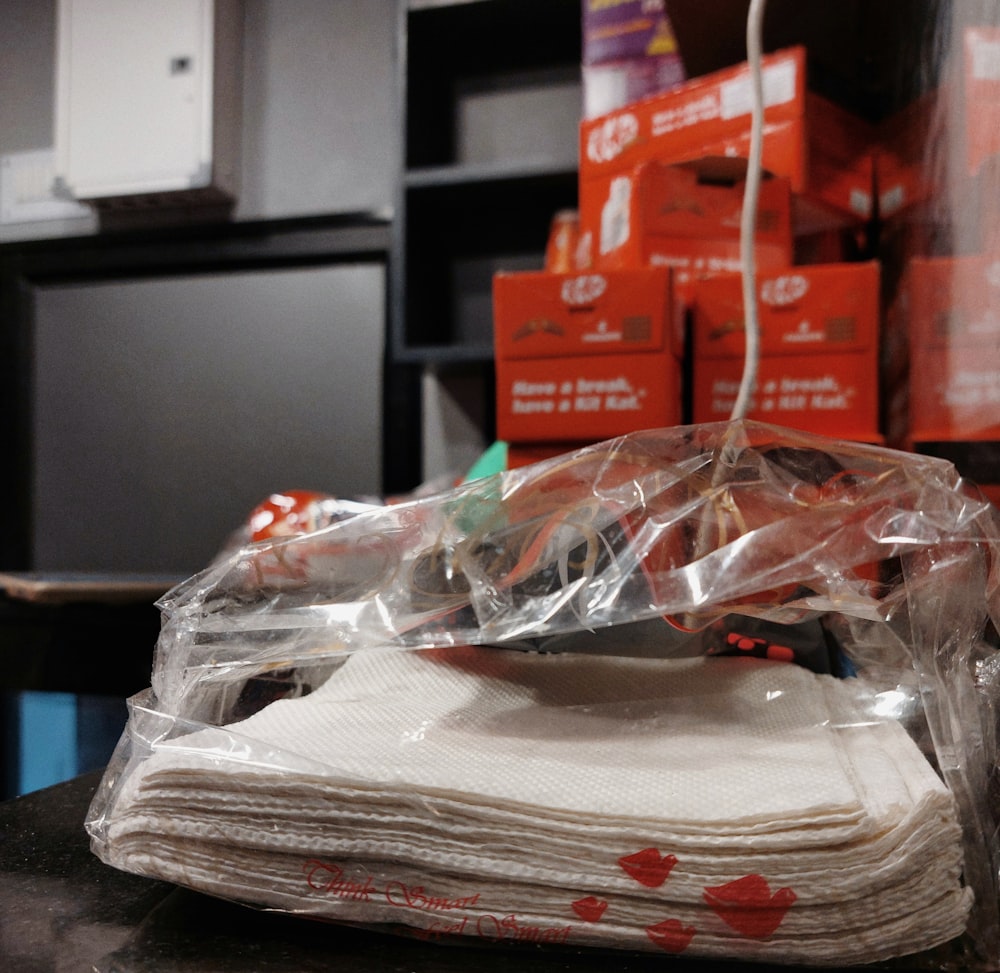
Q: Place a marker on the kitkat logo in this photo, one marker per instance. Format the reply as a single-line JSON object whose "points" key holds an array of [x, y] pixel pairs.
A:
{"points": [[584, 289], [785, 290], [609, 139]]}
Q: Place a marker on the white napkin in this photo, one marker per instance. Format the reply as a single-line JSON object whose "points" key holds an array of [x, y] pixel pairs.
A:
{"points": [[721, 807]]}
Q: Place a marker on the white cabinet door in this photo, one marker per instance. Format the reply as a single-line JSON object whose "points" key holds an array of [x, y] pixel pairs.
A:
{"points": [[136, 96]]}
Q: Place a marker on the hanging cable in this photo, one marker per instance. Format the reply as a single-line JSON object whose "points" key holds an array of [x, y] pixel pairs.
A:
{"points": [[748, 216]]}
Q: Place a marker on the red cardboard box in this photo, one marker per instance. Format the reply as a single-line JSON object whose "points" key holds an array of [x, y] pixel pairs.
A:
{"points": [[666, 216], [982, 95], [584, 357], [953, 130], [825, 152], [953, 309], [819, 363], [904, 162], [524, 454]]}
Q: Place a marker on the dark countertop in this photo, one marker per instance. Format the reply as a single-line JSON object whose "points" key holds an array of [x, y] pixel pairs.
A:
{"points": [[62, 909]]}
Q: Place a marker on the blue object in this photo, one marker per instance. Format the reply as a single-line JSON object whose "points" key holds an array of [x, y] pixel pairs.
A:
{"points": [[47, 740], [50, 737]]}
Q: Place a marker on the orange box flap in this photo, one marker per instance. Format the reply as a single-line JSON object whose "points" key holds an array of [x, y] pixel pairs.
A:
{"points": [[672, 201], [841, 154], [708, 116], [904, 170], [668, 216], [802, 310], [537, 314], [825, 151]]}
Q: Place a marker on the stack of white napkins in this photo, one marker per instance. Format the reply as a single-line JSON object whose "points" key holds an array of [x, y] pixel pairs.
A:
{"points": [[715, 806]]}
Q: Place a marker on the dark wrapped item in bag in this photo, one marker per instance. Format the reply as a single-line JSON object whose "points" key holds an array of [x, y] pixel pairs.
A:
{"points": [[724, 691]]}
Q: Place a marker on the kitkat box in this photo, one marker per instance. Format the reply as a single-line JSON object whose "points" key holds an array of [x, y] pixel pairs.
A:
{"points": [[904, 157], [669, 216], [824, 151], [819, 361], [952, 305], [586, 356], [982, 95], [525, 454]]}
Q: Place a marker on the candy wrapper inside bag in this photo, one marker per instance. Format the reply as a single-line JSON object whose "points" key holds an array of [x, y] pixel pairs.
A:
{"points": [[721, 690]]}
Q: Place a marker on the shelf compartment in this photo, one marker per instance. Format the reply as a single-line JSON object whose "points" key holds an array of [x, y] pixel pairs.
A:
{"points": [[486, 172], [485, 80], [457, 236]]}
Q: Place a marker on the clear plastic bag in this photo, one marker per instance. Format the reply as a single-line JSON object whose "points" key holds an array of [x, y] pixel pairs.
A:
{"points": [[722, 690]]}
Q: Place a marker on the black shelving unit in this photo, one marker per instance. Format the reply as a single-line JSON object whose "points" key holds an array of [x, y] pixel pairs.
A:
{"points": [[458, 233], [465, 211]]}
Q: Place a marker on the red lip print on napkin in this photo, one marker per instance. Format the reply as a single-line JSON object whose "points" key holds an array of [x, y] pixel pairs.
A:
{"points": [[671, 935], [648, 867], [590, 909], [748, 906]]}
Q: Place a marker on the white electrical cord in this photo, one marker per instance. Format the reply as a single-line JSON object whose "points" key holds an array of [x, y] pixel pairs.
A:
{"points": [[748, 216]]}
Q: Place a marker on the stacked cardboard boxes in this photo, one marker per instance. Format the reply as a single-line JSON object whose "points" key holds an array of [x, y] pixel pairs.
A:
{"points": [[661, 215], [953, 309], [819, 349], [823, 151], [591, 356], [658, 336], [941, 356]]}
